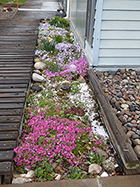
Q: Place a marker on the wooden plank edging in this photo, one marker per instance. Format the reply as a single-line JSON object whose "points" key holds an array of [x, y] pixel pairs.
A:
{"points": [[114, 128]]}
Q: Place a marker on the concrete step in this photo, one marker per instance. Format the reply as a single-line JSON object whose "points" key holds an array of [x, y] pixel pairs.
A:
{"points": [[116, 181]]}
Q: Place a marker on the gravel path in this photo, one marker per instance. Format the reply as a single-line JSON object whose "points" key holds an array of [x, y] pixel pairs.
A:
{"points": [[123, 91]]}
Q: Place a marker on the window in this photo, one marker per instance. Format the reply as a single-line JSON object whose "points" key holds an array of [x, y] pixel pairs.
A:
{"points": [[90, 20]]}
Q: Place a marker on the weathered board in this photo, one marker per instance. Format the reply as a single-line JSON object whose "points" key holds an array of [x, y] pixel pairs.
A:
{"points": [[18, 38], [12, 135], [9, 126], [6, 155]]}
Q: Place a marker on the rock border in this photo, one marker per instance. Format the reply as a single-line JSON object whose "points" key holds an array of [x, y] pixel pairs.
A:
{"points": [[118, 138]]}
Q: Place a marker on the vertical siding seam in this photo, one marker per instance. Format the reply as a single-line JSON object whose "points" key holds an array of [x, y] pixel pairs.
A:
{"points": [[97, 31]]}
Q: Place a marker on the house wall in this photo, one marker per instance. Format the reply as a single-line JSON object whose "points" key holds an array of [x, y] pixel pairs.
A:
{"points": [[116, 32], [120, 33]]}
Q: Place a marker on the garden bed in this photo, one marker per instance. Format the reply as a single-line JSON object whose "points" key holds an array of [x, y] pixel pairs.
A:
{"points": [[62, 137]]}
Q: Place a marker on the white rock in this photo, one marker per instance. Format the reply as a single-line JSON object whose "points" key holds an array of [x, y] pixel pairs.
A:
{"points": [[94, 168], [138, 141], [81, 79], [37, 71], [39, 65], [125, 106], [72, 67], [38, 78], [30, 174], [58, 176], [36, 60], [21, 180], [104, 174]]}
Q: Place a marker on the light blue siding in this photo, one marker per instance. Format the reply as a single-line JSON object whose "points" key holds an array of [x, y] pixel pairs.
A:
{"points": [[116, 32], [120, 34]]}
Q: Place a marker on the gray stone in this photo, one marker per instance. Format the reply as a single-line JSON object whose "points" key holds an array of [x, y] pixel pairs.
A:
{"points": [[103, 153], [118, 106], [36, 88], [123, 119], [132, 108], [65, 88], [113, 100], [134, 143], [130, 133], [131, 125], [95, 168], [134, 129], [108, 166], [137, 150], [119, 94], [129, 119], [138, 126], [138, 132], [135, 136]]}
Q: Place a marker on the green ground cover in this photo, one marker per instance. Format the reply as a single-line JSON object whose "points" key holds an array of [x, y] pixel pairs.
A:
{"points": [[14, 1]]}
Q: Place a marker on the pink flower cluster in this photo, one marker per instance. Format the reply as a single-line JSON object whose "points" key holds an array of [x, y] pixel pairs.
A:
{"points": [[50, 137], [81, 69]]}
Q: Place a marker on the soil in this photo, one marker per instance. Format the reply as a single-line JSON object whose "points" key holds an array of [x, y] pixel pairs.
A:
{"points": [[5, 14]]}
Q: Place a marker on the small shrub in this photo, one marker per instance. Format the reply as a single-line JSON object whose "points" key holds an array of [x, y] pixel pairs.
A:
{"points": [[48, 46], [44, 171], [59, 22], [95, 158], [58, 39]]}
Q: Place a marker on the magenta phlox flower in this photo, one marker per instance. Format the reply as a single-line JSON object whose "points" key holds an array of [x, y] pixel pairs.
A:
{"points": [[51, 137]]}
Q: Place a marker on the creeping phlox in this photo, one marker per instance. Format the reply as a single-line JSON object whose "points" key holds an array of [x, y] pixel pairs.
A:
{"points": [[54, 138]]}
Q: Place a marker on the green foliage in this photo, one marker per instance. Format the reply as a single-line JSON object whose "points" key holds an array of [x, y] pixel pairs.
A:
{"points": [[44, 171], [14, 1], [58, 39], [48, 46], [81, 144], [75, 173], [53, 67], [85, 119], [68, 38], [95, 158], [75, 88], [59, 22]]}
